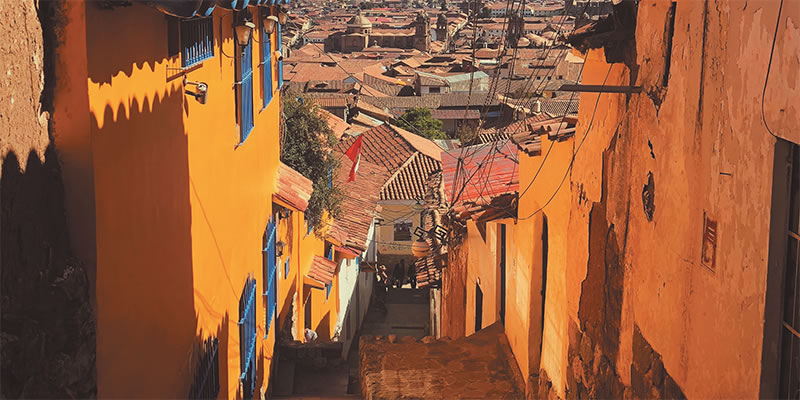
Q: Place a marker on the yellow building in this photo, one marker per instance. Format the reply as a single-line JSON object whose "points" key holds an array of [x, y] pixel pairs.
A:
{"points": [[167, 119]]}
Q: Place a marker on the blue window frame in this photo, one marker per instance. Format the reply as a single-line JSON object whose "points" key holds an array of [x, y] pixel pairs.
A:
{"points": [[286, 268], [266, 65], [280, 48], [197, 41], [247, 337], [244, 75], [270, 272]]}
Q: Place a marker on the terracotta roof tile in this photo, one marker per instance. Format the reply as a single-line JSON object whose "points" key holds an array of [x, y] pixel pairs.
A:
{"points": [[383, 146], [409, 182], [359, 203], [293, 188], [322, 270]]}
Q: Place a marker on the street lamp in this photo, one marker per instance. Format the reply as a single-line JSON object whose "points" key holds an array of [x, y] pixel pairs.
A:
{"points": [[269, 24], [244, 30]]}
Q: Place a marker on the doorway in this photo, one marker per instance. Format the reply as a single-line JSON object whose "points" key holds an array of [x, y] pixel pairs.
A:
{"points": [[543, 293], [478, 308]]}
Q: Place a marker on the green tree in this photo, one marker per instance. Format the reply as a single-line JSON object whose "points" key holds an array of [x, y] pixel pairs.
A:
{"points": [[307, 147], [485, 13], [420, 121]]}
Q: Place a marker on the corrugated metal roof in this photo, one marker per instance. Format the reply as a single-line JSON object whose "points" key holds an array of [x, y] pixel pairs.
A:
{"points": [[485, 171]]}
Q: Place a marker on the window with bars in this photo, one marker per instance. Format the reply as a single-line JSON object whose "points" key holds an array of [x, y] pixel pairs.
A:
{"points": [[266, 65], [247, 338], [790, 332], [270, 272], [196, 41], [244, 79]]}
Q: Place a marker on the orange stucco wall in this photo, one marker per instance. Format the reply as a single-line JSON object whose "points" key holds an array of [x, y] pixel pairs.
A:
{"points": [[524, 327], [181, 208]]}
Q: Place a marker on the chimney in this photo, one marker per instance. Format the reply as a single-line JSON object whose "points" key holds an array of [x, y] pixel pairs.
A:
{"points": [[537, 107]]}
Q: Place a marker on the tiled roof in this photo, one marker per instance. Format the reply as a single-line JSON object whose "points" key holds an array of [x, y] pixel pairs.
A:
{"points": [[456, 114], [322, 270], [490, 170], [501, 133], [558, 128], [331, 100], [409, 181], [337, 125], [359, 202], [390, 147], [293, 188]]}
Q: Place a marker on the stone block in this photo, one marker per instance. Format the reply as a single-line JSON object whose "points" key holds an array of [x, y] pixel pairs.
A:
{"points": [[392, 338], [428, 339]]}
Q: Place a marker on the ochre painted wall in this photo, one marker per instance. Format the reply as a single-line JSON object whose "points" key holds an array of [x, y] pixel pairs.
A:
{"points": [[181, 208]]}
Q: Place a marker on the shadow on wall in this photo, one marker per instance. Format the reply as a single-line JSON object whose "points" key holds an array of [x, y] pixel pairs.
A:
{"points": [[146, 315], [125, 46], [209, 364], [323, 329], [48, 330]]}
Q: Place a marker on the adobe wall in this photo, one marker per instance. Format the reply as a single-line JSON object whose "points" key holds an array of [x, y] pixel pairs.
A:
{"points": [[642, 293]]}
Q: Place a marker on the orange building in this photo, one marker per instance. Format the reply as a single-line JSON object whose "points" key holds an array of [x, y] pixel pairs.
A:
{"points": [[168, 133]]}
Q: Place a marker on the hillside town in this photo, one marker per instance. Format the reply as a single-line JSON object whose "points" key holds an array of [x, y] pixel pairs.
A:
{"points": [[400, 199]]}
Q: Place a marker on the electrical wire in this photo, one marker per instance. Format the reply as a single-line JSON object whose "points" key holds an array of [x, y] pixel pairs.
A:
{"points": [[769, 69]]}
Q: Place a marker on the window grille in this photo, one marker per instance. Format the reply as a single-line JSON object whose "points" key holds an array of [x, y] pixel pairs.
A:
{"points": [[206, 377], [266, 65], [270, 271], [244, 75], [197, 41], [247, 338]]}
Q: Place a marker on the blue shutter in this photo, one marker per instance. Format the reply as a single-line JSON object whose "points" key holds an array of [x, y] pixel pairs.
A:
{"points": [[286, 268], [247, 337], [245, 79], [266, 66], [270, 273], [280, 62]]}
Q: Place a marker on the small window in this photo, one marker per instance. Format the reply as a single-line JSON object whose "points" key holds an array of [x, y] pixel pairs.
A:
{"points": [[247, 338], [328, 287], [286, 268], [328, 250], [434, 90], [402, 232], [197, 41]]}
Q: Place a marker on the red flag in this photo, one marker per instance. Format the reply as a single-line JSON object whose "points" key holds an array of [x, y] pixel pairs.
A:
{"points": [[354, 154]]}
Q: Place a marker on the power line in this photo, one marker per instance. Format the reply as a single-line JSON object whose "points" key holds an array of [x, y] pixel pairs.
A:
{"points": [[769, 68]]}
